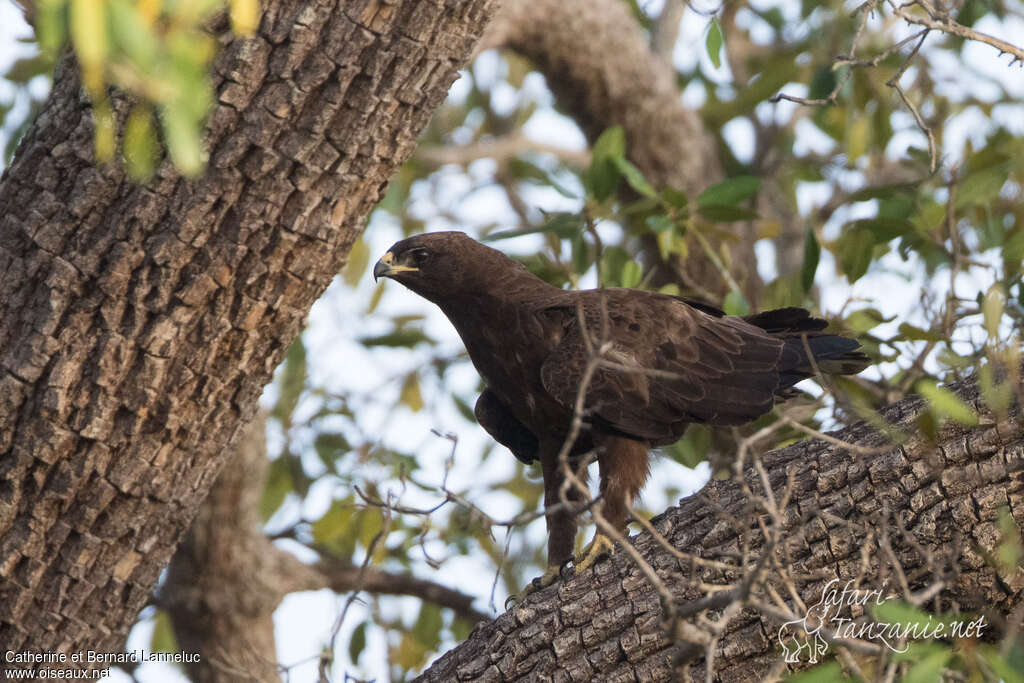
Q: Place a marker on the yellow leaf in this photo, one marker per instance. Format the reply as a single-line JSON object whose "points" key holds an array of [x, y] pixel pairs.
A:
{"points": [[411, 395], [103, 122], [149, 10], [245, 16], [992, 310], [358, 258], [89, 35], [857, 138], [140, 146]]}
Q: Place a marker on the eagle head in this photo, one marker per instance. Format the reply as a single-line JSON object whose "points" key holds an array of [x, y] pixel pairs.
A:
{"points": [[438, 265]]}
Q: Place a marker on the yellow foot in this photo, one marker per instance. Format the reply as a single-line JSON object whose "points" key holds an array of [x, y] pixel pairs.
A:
{"points": [[542, 581], [600, 547]]}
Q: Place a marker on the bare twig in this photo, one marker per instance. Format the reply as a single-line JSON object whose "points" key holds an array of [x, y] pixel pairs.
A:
{"points": [[942, 22]]}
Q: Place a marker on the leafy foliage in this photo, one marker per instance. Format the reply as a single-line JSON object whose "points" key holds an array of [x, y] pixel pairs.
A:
{"points": [[157, 53]]}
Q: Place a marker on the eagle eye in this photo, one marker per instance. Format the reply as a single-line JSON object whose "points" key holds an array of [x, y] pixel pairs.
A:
{"points": [[419, 256]]}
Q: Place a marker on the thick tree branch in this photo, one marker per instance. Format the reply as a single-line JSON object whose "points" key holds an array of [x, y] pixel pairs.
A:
{"points": [[603, 72], [223, 584], [138, 324], [227, 577], [922, 515]]}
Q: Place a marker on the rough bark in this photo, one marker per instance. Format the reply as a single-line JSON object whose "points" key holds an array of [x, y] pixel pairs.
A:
{"points": [[227, 577], [607, 623], [603, 73], [138, 324], [223, 584]]}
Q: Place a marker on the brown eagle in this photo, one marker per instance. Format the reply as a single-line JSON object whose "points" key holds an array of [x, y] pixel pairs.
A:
{"points": [[649, 365]]}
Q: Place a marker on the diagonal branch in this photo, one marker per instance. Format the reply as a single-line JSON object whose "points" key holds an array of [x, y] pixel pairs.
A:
{"points": [[907, 517]]}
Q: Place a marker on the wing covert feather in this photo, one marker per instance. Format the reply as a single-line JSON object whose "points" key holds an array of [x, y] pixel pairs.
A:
{"points": [[668, 364]]}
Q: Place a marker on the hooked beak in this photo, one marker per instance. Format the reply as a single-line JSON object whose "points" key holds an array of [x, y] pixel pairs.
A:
{"points": [[387, 267]]}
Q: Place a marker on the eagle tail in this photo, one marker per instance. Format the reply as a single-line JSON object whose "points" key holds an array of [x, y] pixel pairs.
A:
{"points": [[832, 354]]}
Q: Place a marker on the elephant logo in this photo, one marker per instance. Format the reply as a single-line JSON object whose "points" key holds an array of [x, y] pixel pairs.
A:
{"points": [[803, 635]]}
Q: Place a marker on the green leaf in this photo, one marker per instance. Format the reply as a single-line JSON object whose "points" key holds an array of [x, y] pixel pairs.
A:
{"points": [[182, 132], [357, 643], [905, 614], [51, 24], [981, 187], [658, 223], [632, 274], [334, 530], [930, 668], [398, 338], [562, 224], [721, 213], [581, 258], [997, 395], [131, 34], [865, 319], [692, 449], [411, 653], [358, 259], [613, 260], [714, 41], [164, 639], [330, 446], [140, 145], [857, 137], [730, 192], [461, 628], [611, 144], [812, 253], [427, 628], [465, 410], [292, 382], [279, 485], [913, 333], [854, 249], [634, 178], [883, 228], [946, 404], [603, 175], [24, 70], [1003, 669], [827, 672], [675, 198], [735, 303]]}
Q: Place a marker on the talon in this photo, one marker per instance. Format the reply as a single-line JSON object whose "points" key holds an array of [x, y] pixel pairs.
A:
{"points": [[539, 583], [564, 567], [514, 599], [599, 548]]}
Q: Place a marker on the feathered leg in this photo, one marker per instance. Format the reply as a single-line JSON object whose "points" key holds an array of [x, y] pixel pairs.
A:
{"points": [[561, 520], [625, 467]]}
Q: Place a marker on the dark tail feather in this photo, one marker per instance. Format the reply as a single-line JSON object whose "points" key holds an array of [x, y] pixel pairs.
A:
{"points": [[833, 355], [783, 320]]}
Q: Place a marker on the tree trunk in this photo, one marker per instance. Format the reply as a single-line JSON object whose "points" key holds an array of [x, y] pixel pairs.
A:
{"points": [[225, 580], [925, 512], [138, 324]]}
